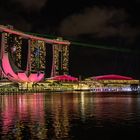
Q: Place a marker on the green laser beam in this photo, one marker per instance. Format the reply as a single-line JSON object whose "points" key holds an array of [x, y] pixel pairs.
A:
{"points": [[104, 47], [89, 45], [42, 35]]}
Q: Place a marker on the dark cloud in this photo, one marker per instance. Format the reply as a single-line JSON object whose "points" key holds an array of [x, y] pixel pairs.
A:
{"points": [[99, 22], [32, 4], [16, 20], [20, 13]]}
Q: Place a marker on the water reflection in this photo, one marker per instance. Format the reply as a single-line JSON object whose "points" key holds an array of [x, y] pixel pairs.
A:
{"points": [[63, 115], [23, 114]]}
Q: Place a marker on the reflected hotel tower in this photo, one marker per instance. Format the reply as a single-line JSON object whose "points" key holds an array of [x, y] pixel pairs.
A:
{"points": [[23, 57]]}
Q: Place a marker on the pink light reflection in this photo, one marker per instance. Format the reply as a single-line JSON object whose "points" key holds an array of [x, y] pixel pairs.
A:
{"points": [[17, 109]]}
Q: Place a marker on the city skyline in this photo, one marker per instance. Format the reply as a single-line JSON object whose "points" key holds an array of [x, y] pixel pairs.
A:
{"points": [[107, 23]]}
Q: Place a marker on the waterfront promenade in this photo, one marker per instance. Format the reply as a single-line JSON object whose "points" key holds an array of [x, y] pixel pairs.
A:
{"points": [[55, 86]]}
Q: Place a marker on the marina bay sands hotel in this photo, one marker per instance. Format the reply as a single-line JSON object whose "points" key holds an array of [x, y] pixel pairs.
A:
{"points": [[27, 59], [24, 57]]}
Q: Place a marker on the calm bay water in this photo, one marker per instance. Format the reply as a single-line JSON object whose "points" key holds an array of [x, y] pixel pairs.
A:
{"points": [[69, 116]]}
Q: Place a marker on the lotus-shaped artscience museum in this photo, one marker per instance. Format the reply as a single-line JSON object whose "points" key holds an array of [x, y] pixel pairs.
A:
{"points": [[18, 76]]}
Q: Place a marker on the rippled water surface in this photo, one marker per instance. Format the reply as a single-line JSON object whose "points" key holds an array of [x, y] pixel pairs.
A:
{"points": [[69, 116]]}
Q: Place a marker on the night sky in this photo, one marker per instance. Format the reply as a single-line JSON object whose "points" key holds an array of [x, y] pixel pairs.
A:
{"points": [[108, 23]]}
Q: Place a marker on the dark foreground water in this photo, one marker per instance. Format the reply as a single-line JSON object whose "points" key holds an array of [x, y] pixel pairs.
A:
{"points": [[69, 116]]}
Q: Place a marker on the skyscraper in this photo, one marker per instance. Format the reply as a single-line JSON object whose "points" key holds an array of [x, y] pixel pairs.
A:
{"points": [[60, 59]]}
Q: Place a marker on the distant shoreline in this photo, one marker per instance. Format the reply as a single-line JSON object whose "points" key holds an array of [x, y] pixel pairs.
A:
{"points": [[26, 91]]}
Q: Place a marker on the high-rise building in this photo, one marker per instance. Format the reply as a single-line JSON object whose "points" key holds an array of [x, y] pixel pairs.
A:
{"points": [[60, 59], [13, 45], [37, 55]]}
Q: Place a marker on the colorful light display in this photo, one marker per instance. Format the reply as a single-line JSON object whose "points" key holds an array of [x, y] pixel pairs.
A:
{"points": [[16, 50], [64, 78], [11, 47], [18, 77], [38, 53], [112, 77], [50, 41], [60, 59]]}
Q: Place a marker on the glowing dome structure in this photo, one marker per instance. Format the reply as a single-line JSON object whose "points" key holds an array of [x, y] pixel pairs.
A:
{"points": [[64, 78], [111, 77]]}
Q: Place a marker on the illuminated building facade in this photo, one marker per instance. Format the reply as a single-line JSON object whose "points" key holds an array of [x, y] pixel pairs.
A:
{"points": [[37, 55], [11, 56], [60, 59], [12, 45], [16, 50]]}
